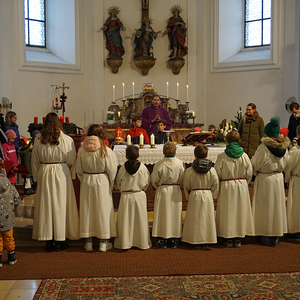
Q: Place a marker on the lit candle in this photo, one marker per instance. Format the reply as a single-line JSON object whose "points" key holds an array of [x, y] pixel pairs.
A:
{"points": [[177, 91], [141, 139], [128, 139], [152, 139], [167, 89], [123, 90], [56, 101], [61, 120], [133, 90], [187, 93], [119, 114], [35, 120], [114, 93]]}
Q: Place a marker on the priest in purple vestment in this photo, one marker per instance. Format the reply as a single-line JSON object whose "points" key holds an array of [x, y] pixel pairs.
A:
{"points": [[152, 114]]}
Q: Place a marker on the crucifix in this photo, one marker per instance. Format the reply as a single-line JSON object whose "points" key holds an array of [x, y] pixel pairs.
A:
{"points": [[145, 8], [63, 97]]}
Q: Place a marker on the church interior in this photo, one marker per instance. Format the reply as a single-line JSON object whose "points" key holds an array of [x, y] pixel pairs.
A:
{"points": [[219, 76]]}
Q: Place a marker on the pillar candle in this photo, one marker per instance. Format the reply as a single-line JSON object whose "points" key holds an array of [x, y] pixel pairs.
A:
{"points": [[61, 120], [67, 120], [35, 120], [128, 139], [141, 139], [177, 91], [123, 90], [44, 118], [167, 89], [152, 140], [56, 101], [133, 90]]}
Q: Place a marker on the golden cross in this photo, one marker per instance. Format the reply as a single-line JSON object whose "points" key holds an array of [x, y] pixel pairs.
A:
{"points": [[63, 87]]}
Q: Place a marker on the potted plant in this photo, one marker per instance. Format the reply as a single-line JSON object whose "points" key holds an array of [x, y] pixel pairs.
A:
{"points": [[190, 116], [110, 117]]}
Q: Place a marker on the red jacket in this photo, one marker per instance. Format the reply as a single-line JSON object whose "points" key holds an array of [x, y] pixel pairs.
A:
{"points": [[133, 132], [10, 153]]}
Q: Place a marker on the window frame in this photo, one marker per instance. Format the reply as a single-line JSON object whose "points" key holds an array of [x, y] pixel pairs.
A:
{"points": [[36, 20], [262, 19]]}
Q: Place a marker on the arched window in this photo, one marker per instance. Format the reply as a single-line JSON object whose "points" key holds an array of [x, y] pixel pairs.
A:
{"points": [[257, 23], [35, 23]]}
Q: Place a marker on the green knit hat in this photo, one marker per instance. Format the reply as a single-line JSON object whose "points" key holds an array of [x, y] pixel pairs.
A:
{"points": [[272, 129]]}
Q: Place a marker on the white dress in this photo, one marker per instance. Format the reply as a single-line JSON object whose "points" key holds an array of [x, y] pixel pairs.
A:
{"points": [[269, 211], [96, 203], [55, 213], [234, 216], [200, 191], [166, 178], [292, 175], [132, 222]]}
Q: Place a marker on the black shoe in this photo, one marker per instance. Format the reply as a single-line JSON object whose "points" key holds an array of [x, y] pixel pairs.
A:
{"points": [[12, 258], [49, 246], [60, 245], [28, 192], [174, 243]]}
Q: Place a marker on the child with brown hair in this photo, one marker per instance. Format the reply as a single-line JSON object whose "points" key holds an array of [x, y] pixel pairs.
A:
{"points": [[234, 217], [201, 187], [136, 131], [166, 178], [161, 137], [132, 222], [96, 168]]}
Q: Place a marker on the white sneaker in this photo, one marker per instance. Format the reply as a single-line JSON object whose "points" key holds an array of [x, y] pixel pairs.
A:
{"points": [[105, 245], [89, 245]]}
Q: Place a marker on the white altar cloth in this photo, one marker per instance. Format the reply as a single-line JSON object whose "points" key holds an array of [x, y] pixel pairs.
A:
{"points": [[150, 156]]}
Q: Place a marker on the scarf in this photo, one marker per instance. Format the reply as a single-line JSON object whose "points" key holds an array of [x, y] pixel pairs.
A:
{"points": [[234, 150]]}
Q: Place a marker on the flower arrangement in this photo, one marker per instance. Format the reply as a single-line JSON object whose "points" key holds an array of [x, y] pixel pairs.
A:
{"points": [[220, 132], [110, 115], [189, 114]]}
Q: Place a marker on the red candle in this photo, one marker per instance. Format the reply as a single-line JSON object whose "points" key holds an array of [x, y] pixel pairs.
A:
{"points": [[67, 120], [56, 101], [35, 120], [44, 118], [61, 120]]}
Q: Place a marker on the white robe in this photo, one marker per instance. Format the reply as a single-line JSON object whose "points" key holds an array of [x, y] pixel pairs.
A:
{"points": [[234, 216], [132, 222], [292, 175], [199, 223], [166, 177], [55, 213], [96, 203], [268, 206]]}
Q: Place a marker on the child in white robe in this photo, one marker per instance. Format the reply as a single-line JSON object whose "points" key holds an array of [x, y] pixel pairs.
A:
{"points": [[292, 176], [234, 216], [268, 206], [201, 187], [96, 168], [166, 178], [132, 223]]}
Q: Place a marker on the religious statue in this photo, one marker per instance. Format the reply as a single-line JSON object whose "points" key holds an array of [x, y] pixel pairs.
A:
{"points": [[176, 30], [145, 4], [144, 37], [111, 28]]}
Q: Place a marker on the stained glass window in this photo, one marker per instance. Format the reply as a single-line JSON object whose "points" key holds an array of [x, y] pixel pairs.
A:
{"points": [[35, 23], [257, 23]]}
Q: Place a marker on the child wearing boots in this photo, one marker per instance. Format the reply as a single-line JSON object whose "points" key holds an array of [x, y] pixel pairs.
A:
{"points": [[9, 197]]}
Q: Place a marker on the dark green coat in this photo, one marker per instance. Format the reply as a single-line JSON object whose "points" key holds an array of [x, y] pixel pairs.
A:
{"points": [[251, 134]]}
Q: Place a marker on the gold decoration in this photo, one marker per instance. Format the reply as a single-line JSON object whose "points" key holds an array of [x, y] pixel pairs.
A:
{"points": [[114, 9], [176, 7]]}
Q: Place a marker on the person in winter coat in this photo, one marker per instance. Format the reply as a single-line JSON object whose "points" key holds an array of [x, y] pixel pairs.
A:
{"points": [[268, 206], [11, 119], [96, 168], [201, 187], [251, 130]]}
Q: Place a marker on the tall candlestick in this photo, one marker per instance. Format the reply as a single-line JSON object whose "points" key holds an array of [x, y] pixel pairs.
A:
{"points": [[152, 140], [141, 139], [114, 93], [167, 89], [187, 93], [123, 90], [177, 91], [133, 90]]}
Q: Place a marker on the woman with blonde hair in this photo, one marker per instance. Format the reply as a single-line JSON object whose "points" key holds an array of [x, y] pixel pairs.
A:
{"points": [[53, 168], [96, 168]]}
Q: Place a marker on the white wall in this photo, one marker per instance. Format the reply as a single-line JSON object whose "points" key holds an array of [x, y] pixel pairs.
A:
{"points": [[213, 96]]}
